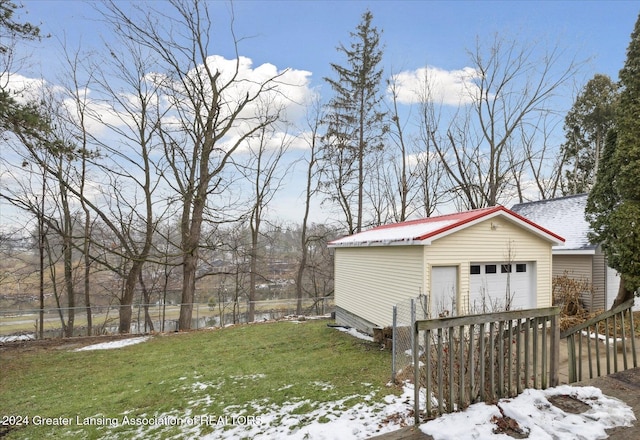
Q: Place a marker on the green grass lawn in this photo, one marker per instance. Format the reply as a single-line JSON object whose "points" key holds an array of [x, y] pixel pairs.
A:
{"points": [[233, 371]]}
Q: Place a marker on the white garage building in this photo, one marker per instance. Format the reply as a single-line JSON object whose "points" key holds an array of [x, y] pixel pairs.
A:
{"points": [[471, 262]]}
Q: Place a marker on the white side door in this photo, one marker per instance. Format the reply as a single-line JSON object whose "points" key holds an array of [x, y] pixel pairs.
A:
{"points": [[444, 291]]}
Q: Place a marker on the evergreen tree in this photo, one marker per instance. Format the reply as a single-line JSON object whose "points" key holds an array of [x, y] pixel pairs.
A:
{"points": [[14, 115], [604, 196], [628, 151], [11, 30], [355, 123], [613, 208], [586, 126]]}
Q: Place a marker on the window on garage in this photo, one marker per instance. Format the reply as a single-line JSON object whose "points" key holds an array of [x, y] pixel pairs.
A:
{"points": [[474, 269], [521, 267], [490, 268], [505, 268]]}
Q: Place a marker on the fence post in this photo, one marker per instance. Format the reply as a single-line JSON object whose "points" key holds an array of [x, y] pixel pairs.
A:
{"points": [[413, 318], [393, 344], [416, 374], [555, 350]]}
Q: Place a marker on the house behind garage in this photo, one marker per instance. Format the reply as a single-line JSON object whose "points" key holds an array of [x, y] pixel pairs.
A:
{"points": [[577, 257], [471, 262]]}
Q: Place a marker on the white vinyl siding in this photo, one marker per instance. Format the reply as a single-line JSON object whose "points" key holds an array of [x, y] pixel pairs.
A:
{"points": [[495, 240], [369, 281]]}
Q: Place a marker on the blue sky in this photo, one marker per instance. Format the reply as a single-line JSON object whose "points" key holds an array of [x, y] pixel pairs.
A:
{"points": [[303, 36]]}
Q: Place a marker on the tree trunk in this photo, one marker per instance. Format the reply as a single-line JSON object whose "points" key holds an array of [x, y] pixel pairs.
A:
{"points": [[124, 315], [127, 298], [67, 240], [190, 263], [68, 281], [255, 235], [623, 294], [87, 267], [251, 315]]}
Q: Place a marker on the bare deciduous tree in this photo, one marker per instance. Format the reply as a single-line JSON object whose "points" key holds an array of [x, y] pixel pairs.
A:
{"points": [[210, 109], [264, 173], [312, 137], [506, 94]]}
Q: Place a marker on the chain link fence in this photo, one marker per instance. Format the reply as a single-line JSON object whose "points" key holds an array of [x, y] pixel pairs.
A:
{"points": [[24, 323], [405, 314]]}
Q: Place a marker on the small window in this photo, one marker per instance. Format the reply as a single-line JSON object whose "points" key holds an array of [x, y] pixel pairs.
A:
{"points": [[475, 269], [490, 268], [522, 267], [505, 268]]}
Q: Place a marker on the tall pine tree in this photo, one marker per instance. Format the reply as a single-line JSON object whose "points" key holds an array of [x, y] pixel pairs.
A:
{"points": [[613, 208], [355, 123], [586, 125]]}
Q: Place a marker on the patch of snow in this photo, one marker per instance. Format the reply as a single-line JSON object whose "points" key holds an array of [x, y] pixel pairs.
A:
{"points": [[602, 338], [114, 344], [248, 377], [356, 333], [537, 416], [13, 338], [300, 319], [324, 386], [199, 386]]}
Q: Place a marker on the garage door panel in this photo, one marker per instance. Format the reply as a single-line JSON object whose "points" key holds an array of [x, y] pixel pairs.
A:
{"points": [[495, 286]]}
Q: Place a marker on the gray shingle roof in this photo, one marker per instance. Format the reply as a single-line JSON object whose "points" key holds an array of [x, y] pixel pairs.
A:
{"points": [[563, 216]]}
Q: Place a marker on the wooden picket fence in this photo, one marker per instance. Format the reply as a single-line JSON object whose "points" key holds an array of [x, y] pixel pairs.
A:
{"points": [[609, 337], [462, 360], [466, 359]]}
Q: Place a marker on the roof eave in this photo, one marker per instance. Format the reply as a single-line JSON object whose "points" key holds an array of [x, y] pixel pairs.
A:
{"points": [[381, 243], [573, 251]]}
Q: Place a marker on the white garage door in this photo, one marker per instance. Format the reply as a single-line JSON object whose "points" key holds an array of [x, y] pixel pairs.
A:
{"points": [[496, 287]]}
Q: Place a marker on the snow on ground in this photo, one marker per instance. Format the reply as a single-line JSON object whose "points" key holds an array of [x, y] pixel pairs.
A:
{"points": [[347, 421], [13, 338], [114, 344], [330, 420], [536, 416], [354, 332], [263, 420], [603, 338]]}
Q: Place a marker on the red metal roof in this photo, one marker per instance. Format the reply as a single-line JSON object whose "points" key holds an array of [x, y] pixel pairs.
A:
{"points": [[448, 222]]}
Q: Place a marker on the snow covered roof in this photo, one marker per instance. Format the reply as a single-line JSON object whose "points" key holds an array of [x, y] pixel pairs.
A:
{"points": [[424, 231], [564, 216]]}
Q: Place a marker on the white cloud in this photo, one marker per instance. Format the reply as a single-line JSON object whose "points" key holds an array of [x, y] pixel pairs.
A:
{"points": [[448, 87], [285, 88], [22, 88], [287, 92]]}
